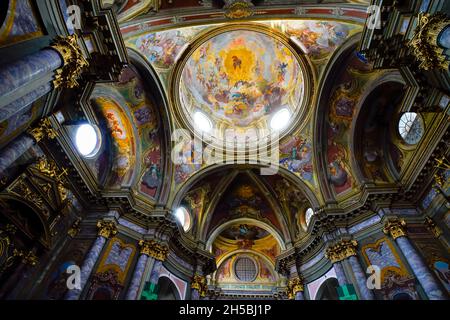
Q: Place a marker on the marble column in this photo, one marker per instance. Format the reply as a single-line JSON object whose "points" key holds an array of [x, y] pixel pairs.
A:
{"points": [[151, 251], [361, 280], [23, 102], [106, 230], [22, 143], [340, 274], [24, 81], [299, 296], [18, 74], [396, 228]]}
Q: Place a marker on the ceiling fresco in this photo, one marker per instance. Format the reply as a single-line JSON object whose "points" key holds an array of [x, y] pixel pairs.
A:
{"points": [[232, 79], [316, 38], [243, 199], [240, 77]]}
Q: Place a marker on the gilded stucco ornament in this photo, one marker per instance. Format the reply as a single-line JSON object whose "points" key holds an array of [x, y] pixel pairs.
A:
{"points": [[395, 228], [295, 285], [238, 9], [43, 130], [341, 250], [73, 62], [199, 284], [153, 249], [424, 44], [106, 229]]}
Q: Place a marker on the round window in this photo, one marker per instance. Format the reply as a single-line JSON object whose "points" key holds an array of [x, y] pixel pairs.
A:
{"points": [[410, 127], [245, 269]]}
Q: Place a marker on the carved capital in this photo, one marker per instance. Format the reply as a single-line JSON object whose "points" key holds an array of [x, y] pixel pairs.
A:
{"points": [[341, 250], [199, 283], [73, 62], [395, 228], [43, 130], [424, 44], [153, 249], [106, 229], [295, 285]]}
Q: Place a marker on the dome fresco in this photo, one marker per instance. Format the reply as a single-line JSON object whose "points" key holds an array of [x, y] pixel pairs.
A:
{"points": [[240, 77]]}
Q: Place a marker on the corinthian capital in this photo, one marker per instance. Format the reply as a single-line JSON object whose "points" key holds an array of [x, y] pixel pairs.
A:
{"points": [[73, 62]]}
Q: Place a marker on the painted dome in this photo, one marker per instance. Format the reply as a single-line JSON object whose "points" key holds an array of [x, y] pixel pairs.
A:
{"points": [[241, 77]]}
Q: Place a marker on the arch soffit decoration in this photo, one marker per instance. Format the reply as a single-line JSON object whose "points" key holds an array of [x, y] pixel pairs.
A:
{"points": [[160, 99], [319, 123], [263, 225], [227, 180], [386, 77]]}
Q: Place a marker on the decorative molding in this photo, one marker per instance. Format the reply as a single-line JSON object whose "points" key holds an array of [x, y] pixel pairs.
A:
{"points": [[424, 44]]}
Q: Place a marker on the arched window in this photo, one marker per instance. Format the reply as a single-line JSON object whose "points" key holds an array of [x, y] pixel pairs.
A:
{"points": [[308, 215], [410, 127], [184, 218]]}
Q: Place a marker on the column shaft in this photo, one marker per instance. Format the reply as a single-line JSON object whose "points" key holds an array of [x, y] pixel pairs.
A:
{"points": [[23, 102], [299, 295], [340, 275], [88, 266], [361, 280], [16, 75], [420, 270], [137, 277], [13, 151]]}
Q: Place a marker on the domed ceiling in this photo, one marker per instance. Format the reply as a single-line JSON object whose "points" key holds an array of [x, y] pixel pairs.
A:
{"points": [[239, 78]]}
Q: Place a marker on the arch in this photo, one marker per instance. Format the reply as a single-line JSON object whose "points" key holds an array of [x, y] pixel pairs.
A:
{"points": [[45, 238], [167, 289], [217, 231], [392, 77], [321, 113], [202, 173], [327, 290], [161, 103]]}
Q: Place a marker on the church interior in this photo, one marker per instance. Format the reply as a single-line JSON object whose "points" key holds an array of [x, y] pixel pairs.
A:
{"points": [[224, 150]]}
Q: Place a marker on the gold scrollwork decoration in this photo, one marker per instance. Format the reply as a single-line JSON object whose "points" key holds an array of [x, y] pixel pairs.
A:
{"points": [[43, 130], [295, 285], [74, 62], [424, 44], [238, 9]]}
